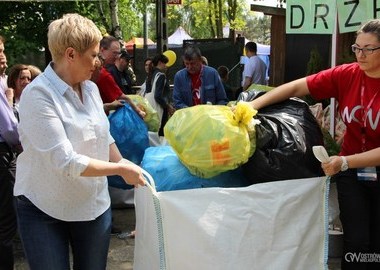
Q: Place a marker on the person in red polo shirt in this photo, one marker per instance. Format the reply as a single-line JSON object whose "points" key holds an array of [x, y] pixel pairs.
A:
{"points": [[108, 88], [356, 169]]}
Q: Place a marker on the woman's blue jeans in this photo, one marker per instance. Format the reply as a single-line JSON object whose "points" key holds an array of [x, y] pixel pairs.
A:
{"points": [[46, 240]]}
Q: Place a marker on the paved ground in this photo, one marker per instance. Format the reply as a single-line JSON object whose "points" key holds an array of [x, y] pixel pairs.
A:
{"points": [[120, 256]]}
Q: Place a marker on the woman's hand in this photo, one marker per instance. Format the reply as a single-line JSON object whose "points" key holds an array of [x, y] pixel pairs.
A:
{"points": [[333, 166], [131, 173], [9, 93]]}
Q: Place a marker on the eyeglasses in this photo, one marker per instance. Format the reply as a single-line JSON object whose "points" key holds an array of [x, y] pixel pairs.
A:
{"points": [[365, 51]]}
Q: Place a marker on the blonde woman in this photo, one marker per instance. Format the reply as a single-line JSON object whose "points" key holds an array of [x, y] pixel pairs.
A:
{"points": [[61, 186]]}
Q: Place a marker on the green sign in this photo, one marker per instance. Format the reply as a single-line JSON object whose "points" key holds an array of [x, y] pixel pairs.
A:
{"points": [[319, 16], [352, 14], [316, 17]]}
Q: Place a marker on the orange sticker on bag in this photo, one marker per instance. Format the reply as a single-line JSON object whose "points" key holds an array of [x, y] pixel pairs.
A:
{"points": [[220, 152]]}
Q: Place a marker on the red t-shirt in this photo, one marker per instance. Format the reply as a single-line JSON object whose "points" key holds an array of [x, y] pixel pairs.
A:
{"points": [[345, 83], [196, 88], [108, 88]]}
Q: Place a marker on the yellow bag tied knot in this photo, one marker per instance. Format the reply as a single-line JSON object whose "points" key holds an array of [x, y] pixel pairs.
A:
{"points": [[210, 139], [244, 112]]}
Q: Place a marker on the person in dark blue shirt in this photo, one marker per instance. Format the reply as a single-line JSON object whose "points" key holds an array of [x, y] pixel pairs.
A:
{"points": [[120, 73], [197, 83]]}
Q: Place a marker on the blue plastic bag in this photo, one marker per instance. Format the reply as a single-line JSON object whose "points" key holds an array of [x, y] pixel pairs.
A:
{"points": [[170, 174], [131, 137]]}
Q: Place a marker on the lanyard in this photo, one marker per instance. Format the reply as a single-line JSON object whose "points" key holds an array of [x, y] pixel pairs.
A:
{"points": [[196, 89], [198, 79], [365, 113]]}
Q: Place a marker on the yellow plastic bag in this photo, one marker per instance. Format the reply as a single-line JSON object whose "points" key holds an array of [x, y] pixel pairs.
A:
{"points": [[151, 118], [260, 87], [211, 139]]}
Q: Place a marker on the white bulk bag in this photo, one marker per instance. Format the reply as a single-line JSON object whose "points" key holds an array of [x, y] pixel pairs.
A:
{"points": [[276, 225]]}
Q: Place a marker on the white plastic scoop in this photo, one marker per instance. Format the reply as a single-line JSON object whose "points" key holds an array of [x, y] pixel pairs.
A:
{"points": [[320, 153]]}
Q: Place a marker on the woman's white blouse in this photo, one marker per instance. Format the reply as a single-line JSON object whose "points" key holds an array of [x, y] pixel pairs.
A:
{"points": [[59, 135]]}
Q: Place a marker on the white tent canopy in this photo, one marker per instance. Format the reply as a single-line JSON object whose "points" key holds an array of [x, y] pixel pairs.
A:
{"points": [[262, 49], [178, 36]]}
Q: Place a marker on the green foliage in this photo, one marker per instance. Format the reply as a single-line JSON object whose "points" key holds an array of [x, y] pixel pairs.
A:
{"points": [[131, 17], [198, 17], [257, 28], [313, 66], [332, 147], [25, 24], [180, 16], [315, 62]]}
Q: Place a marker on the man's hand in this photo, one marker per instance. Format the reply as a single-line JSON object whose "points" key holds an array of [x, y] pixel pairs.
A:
{"points": [[112, 106], [140, 112], [171, 109]]}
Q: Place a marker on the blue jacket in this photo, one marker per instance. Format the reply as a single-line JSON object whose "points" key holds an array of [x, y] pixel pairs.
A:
{"points": [[212, 89]]}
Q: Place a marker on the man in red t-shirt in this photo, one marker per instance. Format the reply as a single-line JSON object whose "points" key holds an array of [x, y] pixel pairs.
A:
{"points": [[109, 90]]}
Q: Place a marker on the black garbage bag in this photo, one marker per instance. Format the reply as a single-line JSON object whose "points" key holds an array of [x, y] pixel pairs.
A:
{"points": [[284, 142]]}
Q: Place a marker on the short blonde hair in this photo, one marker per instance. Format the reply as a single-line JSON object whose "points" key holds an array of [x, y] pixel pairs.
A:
{"points": [[72, 30]]}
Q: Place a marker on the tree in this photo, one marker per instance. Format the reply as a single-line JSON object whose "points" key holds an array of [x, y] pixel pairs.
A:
{"points": [[192, 14], [130, 17], [25, 25], [115, 26], [121, 18], [314, 65], [258, 28]]}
